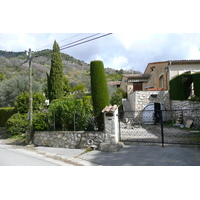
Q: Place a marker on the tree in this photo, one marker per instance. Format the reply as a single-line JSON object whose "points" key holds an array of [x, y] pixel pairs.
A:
{"points": [[55, 78], [117, 97], [22, 102], [13, 87], [99, 90]]}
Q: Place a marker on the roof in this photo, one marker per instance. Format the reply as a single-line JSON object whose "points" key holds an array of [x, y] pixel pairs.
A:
{"points": [[136, 75], [110, 109], [114, 83], [178, 62], [175, 62]]}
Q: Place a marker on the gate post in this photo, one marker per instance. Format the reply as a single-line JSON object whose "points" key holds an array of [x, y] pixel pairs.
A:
{"points": [[111, 126], [161, 123]]}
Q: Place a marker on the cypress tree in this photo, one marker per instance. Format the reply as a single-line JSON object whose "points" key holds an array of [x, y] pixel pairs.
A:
{"points": [[55, 78], [99, 90]]}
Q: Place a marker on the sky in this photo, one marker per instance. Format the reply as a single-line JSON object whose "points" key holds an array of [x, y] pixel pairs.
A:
{"points": [[143, 31], [118, 51]]}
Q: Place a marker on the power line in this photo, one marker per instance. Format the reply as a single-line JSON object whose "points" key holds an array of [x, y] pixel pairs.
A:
{"points": [[85, 41], [79, 40], [60, 41], [73, 44]]}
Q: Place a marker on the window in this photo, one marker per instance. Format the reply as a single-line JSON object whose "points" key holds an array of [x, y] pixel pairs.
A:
{"points": [[161, 82]]}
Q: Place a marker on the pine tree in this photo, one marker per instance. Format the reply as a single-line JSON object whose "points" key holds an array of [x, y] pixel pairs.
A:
{"points": [[99, 89], [55, 78]]}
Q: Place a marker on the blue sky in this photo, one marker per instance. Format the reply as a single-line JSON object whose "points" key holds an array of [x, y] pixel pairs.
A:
{"points": [[119, 50], [143, 31]]}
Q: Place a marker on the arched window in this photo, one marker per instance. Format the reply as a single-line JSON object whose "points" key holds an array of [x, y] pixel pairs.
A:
{"points": [[161, 82]]}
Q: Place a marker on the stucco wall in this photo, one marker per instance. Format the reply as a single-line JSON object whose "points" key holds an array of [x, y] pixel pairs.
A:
{"points": [[180, 69]]}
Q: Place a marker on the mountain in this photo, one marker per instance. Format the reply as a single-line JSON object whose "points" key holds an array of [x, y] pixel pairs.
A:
{"points": [[11, 64]]}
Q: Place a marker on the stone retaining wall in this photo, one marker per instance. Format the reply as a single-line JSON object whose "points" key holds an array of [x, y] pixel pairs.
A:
{"points": [[140, 99], [69, 139], [189, 109]]}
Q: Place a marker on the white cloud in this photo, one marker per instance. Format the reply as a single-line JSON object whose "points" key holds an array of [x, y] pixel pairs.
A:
{"points": [[120, 62], [194, 53]]}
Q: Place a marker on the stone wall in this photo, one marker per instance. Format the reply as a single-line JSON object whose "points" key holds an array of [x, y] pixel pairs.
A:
{"points": [[140, 99], [190, 111], [69, 139]]}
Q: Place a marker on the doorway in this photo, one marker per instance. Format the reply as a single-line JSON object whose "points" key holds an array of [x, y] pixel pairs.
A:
{"points": [[151, 113]]}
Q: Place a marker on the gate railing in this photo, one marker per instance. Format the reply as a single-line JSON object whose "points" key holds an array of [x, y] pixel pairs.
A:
{"points": [[161, 126]]}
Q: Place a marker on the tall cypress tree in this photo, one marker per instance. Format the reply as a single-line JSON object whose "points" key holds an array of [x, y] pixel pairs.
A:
{"points": [[55, 78], [99, 89]]}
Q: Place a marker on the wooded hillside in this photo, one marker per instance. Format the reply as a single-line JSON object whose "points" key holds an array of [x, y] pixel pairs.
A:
{"points": [[14, 73]]}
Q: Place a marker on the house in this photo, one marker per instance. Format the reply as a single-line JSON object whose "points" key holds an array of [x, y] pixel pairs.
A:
{"points": [[150, 90], [114, 83], [162, 72], [133, 82]]}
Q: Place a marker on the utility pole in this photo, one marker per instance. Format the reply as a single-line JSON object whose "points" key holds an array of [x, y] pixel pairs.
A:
{"points": [[29, 134]]}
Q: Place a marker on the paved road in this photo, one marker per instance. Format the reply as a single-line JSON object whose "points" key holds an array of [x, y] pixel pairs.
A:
{"points": [[147, 155], [130, 155], [10, 156]]}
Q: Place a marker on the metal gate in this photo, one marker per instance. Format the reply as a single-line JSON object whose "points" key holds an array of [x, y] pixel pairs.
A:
{"points": [[159, 127]]}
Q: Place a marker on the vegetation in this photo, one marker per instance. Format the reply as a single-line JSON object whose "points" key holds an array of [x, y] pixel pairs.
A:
{"points": [[180, 87], [22, 102], [76, 104], [196, 81], [17, 124], [117, 97], [5, 114], [55, 79], [64, 112], [99, 90]]}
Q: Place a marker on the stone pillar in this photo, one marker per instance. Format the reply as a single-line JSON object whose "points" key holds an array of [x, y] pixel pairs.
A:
{"points": [[111, 123]]}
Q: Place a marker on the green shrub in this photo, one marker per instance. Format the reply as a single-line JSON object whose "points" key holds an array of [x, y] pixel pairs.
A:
{"points": [[196, 81], [5, 114], [117, 97], [99, 90], [40, 121], [67, 110], [180, 87], [22, 102], [17, 124]]}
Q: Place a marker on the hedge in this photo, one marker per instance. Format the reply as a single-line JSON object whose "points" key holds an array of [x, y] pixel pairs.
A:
{"points": [[180, 87], [196, 81], [5, 114], [99, 90]]}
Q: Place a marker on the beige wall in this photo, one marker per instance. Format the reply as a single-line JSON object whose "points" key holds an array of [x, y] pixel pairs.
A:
{"points": [[156, 70]]}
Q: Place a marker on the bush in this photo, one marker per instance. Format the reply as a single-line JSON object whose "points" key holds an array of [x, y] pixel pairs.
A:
{"points": [[117, 97], [17, 124], [180, 87], [196, 80], [22, 102], [40, 121], [5, 114], [66, 111]]}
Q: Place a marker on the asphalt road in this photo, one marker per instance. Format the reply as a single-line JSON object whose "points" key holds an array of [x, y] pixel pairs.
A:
{"points": [[10, 156]]}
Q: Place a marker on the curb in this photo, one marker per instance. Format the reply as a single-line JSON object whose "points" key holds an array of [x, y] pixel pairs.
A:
{"points": [[70, 160]]}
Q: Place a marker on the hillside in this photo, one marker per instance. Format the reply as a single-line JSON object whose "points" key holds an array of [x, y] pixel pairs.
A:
{"points": [[11, 64], [14, 73]]}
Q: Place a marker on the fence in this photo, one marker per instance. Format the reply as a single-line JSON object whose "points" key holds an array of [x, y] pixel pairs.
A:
{"points": [[161, 126], [72, 121]]}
